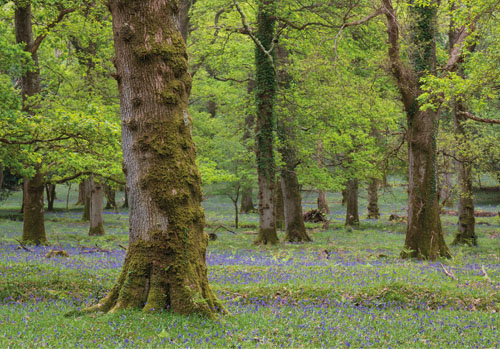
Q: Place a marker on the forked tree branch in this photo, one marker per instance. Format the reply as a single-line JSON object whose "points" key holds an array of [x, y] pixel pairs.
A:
{"points": [[46, 30]]}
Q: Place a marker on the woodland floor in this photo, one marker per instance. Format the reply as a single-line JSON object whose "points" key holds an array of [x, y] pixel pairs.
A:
{"points": [[346, 288]]}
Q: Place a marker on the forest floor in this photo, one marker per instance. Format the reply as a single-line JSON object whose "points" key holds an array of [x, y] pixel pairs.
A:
{"points": [[346, 288]]}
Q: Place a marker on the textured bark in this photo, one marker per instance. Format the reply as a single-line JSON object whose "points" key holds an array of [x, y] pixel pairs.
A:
{"points": [[86, 201], [96, 199], [322, 202], [266, 123], [34, 217], [352, 215], [373, 211], [446, 185], [50, 190], [165, 263], [279, 206], [183, 17], [33, 210], [110, 197], [466, 221], [246, 205], [125, 197], [290, 188], [424, 235], [81, 193]]}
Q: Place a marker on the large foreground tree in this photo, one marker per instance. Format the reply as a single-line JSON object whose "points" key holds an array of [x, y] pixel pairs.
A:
{"points": [[165, 263]]}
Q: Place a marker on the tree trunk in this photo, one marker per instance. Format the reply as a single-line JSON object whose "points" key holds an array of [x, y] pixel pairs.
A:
{"points": [[34, 219], [322, 202], [279, 206], [110, 197], [445, 190], [50, 190], [424, 235], [33, 210], [266, 123], [352, 216], [165, 263], [466, 221], [81, 193], [289, 188], [125, 197], [246, 205], [96, 199], [1, 176], [86, 203], [373, 211]]}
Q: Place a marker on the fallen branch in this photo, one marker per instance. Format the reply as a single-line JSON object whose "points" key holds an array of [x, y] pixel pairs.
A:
{"points": [[123, 247], [449, 272], [23, 246], [224, 227], [485, 274]]}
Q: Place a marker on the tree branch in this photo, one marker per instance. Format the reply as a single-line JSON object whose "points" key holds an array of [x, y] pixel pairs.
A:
{"points": [[46, 30], [478, 119]]}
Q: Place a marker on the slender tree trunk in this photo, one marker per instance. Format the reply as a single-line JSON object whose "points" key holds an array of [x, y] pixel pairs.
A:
{"points": [[81, 193], [110, 197], [96, 199], [322, 202], [289, 188], [266, 123], [165, 263], [246, 205], [466, 221], [352, 215], [424, 235], [33, 210], [445, 190], [125, 197], [88, 197], [50, 190], [279, 206], [1, 176], [373, 211]]}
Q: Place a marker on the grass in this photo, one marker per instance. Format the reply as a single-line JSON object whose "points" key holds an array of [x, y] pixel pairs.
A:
{"points": [[346, 288]]}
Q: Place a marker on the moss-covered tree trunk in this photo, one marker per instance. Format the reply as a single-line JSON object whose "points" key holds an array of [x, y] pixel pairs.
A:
{"points": [[246, 204], [165, 263], [50, 191], [322, 201], [424, 235], [266, 122], [446, 185], [351, 196], [81, 193], [466, 233], [33, 210], [96, 198], [373, 210]]}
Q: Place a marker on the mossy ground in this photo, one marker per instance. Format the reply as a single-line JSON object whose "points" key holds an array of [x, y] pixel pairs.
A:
{"points": [[344, 288]]}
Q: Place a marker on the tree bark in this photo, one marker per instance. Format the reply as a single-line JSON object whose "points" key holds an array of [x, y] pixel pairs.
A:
{"points": [[322, 202], [96, 199], [86, 203], [352, 215], [466, 221], [50, 190], [110, 197], [290, 188], [246, 205], [81, 193], [445, 190], [266, 123], [424, 235], [279, 206], [125, 197], [1, 176], [33, 210], [165, 263], [373, 211]]}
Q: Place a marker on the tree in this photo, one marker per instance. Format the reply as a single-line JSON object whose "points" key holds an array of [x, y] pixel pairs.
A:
{"points": [[165, 262], [424, 235]]}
